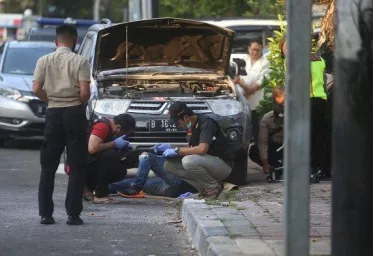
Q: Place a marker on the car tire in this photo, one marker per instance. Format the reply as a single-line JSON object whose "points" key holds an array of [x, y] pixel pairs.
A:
{"points": [[238, 175]]}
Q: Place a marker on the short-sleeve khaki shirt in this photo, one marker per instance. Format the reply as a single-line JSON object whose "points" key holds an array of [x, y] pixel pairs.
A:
{"points": [[60, 73]]}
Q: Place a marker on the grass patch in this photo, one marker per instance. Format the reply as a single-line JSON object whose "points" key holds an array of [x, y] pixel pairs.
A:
{"points": [[212, 202]]}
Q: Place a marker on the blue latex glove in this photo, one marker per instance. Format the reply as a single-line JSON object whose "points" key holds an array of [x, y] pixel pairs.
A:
{"points": [[161, 147], [170, 153], [121, 142]]}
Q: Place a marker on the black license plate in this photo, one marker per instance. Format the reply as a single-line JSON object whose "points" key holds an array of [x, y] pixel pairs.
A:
{"points": [[163, 126]]}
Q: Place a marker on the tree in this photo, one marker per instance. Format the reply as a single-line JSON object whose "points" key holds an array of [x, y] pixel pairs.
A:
{"points": [[217, 8]]}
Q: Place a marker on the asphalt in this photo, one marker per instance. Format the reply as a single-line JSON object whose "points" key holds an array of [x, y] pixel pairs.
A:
{"points": [[131, 227]]}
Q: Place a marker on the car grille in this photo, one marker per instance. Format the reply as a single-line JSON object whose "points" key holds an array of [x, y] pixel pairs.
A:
{"points": [[198, 107], [157, 107], [147, 107], [142, 135], [39, 108]]}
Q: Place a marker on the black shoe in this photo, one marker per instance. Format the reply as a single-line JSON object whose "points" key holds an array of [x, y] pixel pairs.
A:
{"points": [[74, 220], [47, 220], [313, 177]]}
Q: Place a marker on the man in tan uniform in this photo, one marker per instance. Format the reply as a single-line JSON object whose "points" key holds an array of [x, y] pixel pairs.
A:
{"points": [[61, 79]]}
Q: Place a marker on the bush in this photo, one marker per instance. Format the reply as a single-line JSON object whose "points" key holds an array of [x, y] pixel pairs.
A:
{"points": [[276, 75]]}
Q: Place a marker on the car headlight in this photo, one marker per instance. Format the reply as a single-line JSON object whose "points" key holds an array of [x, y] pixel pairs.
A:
{"points": [[111, 106], [225, 107], [10, 93]]}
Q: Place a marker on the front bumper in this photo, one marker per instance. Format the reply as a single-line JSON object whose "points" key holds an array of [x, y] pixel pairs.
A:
{"points": [[20, 118]]}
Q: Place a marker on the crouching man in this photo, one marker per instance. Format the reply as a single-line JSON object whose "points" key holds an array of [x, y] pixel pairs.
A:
{"points": [[107, 144], [208, 160], [271, 134]]}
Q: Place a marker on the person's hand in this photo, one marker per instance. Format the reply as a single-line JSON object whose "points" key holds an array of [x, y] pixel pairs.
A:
{"points": [[256, 87], [170, 153], [121, 142], [161, 147], [237, 80]]}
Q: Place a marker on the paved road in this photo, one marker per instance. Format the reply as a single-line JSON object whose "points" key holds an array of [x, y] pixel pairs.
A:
{"points": [[132, 227]]}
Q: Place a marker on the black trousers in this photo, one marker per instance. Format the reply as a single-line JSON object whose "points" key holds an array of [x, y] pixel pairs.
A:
{"points": [[63, 127], [273, 156], [255, 124], [105, 169], [318, 132]]}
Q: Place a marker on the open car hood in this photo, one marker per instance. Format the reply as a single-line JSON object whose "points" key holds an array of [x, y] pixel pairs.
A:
{"points": [[164, 41]]}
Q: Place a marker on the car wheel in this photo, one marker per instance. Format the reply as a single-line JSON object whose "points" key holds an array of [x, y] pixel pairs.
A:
{"points": [[238, 175]]}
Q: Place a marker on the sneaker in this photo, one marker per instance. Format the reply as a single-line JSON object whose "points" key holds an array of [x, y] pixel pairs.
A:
{"points": [[132, 192]]}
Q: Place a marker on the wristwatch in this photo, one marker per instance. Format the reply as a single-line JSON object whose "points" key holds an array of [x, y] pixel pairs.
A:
{"points": [[177, 149]]}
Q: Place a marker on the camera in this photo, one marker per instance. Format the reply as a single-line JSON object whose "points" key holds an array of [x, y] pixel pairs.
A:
{"points": [[237, 68]]}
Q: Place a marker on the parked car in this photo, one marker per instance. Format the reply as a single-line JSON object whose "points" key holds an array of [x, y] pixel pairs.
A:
{"points": [[21, 112], [177, 60], [246, 30], [46, 29]]}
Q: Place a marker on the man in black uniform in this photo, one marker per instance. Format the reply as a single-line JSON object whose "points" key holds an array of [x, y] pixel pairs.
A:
{"points": [[208, 160], [61, 79]]}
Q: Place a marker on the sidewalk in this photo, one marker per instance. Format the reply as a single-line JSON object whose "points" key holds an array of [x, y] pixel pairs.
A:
{"points": [[249, 221]]}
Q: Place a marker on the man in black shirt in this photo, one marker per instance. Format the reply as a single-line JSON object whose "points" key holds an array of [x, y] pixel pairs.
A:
{"points": [[207, 160]]}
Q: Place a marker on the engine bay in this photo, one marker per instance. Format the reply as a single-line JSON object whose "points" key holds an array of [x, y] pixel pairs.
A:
{"points": [[137, 89]]}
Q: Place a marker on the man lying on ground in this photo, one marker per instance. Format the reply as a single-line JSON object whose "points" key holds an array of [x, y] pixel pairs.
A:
{"points": [[165, 184]]}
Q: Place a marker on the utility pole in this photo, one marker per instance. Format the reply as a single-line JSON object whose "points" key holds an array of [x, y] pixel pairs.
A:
{"points": [[96, 9], [41, 4], [352, 161], [297, 128]]}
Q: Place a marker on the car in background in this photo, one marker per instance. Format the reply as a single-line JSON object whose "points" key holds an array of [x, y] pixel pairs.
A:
{"points": [[177, 60], [22, 114], [46, 29], [247, 30]]}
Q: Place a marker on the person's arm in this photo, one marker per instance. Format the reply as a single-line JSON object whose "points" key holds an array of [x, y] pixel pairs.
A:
{"points": [[97, 145], [99, 133], [84, 82], [37, 88], [201, 149], [208, 130], [38, 83], [263, 142], [263, 72], [248, 90]]}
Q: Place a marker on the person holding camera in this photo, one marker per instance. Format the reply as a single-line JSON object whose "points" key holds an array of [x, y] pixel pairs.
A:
{"points": [[257, 66]]}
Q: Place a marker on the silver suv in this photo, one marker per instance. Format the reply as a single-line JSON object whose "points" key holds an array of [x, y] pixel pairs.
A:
{"points": [[142, 67]]}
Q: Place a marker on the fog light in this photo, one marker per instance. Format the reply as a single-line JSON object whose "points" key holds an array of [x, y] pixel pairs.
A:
{"points": [[16, 121], [233, 135], [10, 120]]}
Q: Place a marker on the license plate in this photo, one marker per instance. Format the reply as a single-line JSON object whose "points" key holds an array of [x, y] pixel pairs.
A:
{"points": [[163, 126]]}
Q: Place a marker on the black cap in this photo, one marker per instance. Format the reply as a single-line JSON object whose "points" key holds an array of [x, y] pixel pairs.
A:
{"points": [[178, 110]]}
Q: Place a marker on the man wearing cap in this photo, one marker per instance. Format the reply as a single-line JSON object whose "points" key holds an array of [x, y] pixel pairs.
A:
{"points": [[208, 159]]}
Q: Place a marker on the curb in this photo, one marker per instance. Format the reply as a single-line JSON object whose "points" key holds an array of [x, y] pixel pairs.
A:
{"points": [[212, 237]]}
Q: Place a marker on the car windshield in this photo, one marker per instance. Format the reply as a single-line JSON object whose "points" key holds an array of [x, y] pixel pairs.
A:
{"points": [[49, 35], [23, 60]]}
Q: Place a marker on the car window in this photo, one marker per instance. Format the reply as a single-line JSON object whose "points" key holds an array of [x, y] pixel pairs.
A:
{"points": [[23, 60], [1, 51], [244, 34], [50, 35], [86, 47]]}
